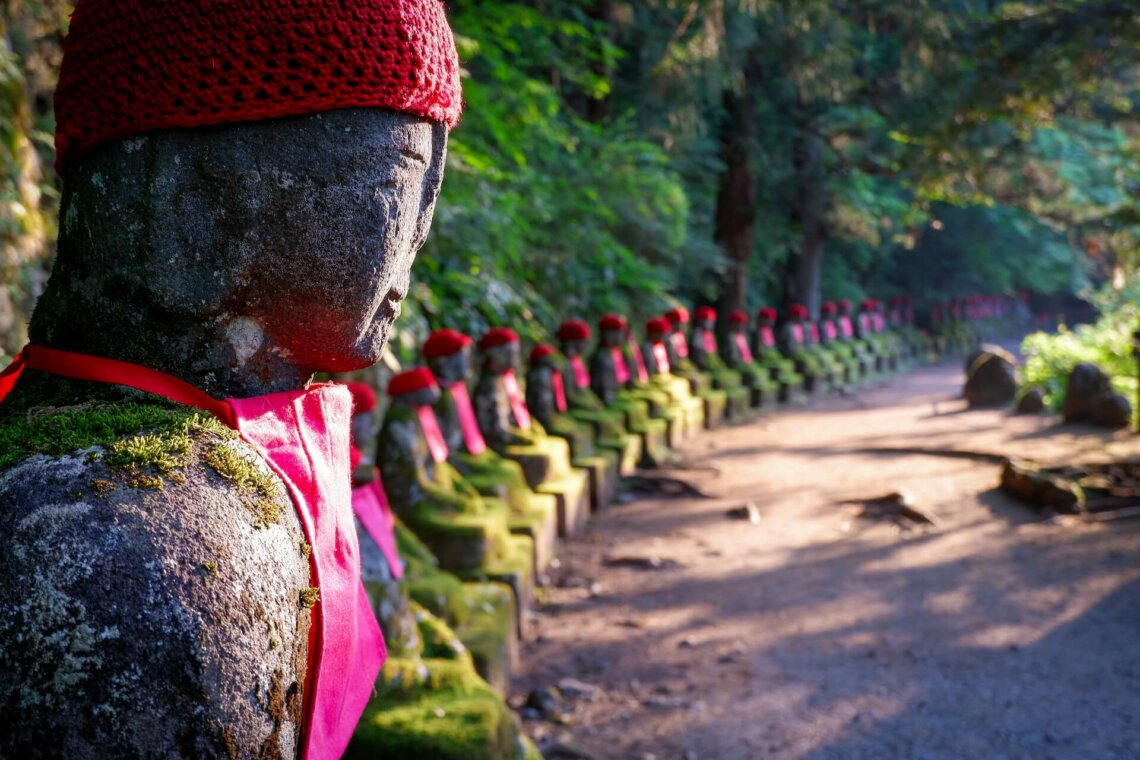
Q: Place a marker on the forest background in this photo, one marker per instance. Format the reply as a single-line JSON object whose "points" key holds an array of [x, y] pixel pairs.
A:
{"points": [[629, 156]]}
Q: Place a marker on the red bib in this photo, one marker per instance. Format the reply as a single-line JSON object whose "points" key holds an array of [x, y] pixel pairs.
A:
{"points": [[429, 426], [303, 436], [581, 376], [514, 395], [472, 435], [621, 369], [742, 346], [639, 362], [661, 357]]}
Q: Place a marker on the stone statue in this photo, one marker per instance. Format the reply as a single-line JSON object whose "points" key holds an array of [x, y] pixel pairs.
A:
{"points": [[613, 382], [766, 352], [163, 575], [468, 533], [681, 365], [424, 649], [793, 341], [826, 333], [705, 354], [736, 352], [610, 425], [547, 402], [656, 353], [448, 354], [500, 408]]}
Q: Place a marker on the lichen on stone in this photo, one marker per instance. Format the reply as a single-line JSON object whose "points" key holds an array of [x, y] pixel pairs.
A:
{"points": [[309, 596]]}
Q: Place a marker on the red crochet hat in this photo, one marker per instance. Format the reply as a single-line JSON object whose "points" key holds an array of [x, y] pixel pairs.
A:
{"points": [[678, 316], [411, 381], [612, 322], [797, 311], [541, 351], [768, 313], [132, 66], [363, 397], [444, 342], [706, 312], [574, 329], [828, 307], [737, 317], [498, 336], [658, 326], [845, 304]]}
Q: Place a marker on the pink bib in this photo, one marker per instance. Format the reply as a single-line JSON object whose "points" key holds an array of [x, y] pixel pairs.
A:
{"points": [[680, 344], [742, 347], [514, 395], [621, 369], [767, 337], [639, 362], [846, 327], [559, 391], [429, 426], [814, 332], [798, 333], [661, 358], [370, 503], [709, 341], [581, 376], [472, 435], [829, 330], [303, 436]]}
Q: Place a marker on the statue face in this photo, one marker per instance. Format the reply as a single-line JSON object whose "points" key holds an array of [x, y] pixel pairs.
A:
{"points": [[502, 358], [573, 347], [611, 337], [451, 369], [423, 397], [301, 229]]}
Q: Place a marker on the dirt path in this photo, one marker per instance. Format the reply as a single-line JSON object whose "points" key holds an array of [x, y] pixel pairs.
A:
{"points": [[814, 634]]}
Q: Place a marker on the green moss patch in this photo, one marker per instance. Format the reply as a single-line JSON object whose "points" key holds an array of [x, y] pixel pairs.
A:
{"points": [[250, 477]]}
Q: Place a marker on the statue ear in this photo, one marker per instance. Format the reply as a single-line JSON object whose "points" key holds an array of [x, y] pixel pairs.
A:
{"points": [[433, 180]]}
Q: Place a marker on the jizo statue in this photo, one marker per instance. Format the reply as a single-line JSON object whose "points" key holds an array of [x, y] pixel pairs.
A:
{"points": [[245, 189]]}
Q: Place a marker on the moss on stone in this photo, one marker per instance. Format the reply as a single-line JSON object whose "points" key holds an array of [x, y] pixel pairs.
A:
{"points": [[245, 472], [309, 596]]}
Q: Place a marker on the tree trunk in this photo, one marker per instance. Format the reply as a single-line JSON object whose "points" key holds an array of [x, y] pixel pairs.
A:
{"points": [[804, 274], [736, 197]]}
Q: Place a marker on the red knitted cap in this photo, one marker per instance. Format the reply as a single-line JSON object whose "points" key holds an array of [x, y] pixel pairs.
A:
{"points": [[828, 307], [498, 336], [612, 322], [768, 313], [797, 311], [363, 397], [706, 312], [737, 317], [444, 342], [845, 304], [574, 329], [132, 66], [677, 316], [411, 381], [658, 326], [541, 351]]}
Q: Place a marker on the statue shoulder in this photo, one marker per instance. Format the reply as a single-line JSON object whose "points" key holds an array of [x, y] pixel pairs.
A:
{"points": [[152, 558]]}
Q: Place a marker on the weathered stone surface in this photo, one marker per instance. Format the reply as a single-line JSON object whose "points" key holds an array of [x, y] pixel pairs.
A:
{"points": [[126, 605], [1089, 397], [1031, 402], [991, 379]]}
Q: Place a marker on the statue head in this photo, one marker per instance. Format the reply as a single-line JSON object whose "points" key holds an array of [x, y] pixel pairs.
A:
{"points": [[574, 337], [611, 329], [657, 329], [414, 387], [797, 313], [827, 311], [678, 318], [448, 354], [705, 317], [500, 349], [264, 197], [543, 355], [738, 321], [766, 317]]}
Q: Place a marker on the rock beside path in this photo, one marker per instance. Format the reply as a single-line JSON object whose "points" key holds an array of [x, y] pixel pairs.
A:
{"points": [[991, 378], [1090, 398]]}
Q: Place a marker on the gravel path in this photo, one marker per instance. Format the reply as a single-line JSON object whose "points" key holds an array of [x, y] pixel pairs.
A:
{"points": [[814, 634]]}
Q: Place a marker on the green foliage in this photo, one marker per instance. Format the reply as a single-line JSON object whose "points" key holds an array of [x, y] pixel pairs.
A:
{"points": [[1049, 358]]}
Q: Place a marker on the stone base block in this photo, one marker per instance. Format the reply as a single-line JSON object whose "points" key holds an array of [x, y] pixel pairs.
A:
{"points": [[573, 495]]}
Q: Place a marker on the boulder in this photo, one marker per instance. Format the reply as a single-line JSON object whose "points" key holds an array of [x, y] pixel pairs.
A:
{"points": [[1031, 402], [991, 379], [1090, 398]]}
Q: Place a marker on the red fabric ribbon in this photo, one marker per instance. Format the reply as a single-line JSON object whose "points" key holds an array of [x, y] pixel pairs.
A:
{"points": [[559, 391], [709, 341], [798, 333], [767, 337], [429, 425], [514, 395], [472, 435], [661, 358], [581, 376], [742, 347], [621, 369], [639, 362], [370, 503], [680, 344]]}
